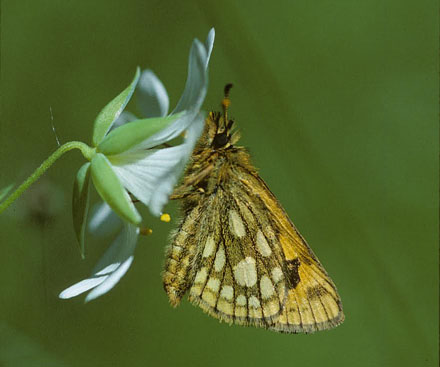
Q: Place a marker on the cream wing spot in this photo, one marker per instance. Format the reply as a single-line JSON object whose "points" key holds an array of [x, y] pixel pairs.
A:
{"points": [[255, 310], [262, 245], [209, 297], [241, 300], [245, 272], [213, 284], [201, 276], [254, 302], [266, 287], [227, 292], [220, 259], [277, 274], [271, 308], [236, 224], [209, 247]]}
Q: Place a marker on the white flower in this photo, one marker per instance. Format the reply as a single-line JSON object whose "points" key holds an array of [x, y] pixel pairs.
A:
{"points": [[111, 267], [147, 172], [129, 161]]}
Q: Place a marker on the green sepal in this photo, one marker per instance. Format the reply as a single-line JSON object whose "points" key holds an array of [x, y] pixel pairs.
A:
{"points": [[80, 204], [133, 133], [112, 111], [5, 191], [111, 190]]}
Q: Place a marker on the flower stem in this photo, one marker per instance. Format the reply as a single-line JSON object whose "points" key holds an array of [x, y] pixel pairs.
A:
{"points": [[85, 150]]}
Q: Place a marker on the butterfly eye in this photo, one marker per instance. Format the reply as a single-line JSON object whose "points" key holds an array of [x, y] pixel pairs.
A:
{"points": [[220, 140]]}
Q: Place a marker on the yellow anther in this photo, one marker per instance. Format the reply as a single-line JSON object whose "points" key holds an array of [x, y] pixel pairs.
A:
{"points": [[165, 217], [146, 231]]}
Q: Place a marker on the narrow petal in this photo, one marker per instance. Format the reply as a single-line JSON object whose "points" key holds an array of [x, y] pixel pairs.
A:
{"points": [[103, 220], [152, 96], [168, 181], [209, 44], [119, 257], [110, 268], [120, 250], [197, 80], [181, 123], [111, 112], [80, 204], [81, 287], [193, 133], [111, 280], [111, 190]]}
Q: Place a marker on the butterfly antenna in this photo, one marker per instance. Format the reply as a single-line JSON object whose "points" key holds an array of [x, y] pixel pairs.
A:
{"points": [[226, 102]]}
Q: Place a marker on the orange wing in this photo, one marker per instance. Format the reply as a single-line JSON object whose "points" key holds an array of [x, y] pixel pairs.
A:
{"points": [[312, 301]]}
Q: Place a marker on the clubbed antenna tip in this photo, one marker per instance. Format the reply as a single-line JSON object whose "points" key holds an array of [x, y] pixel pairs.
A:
{"points": [[226, 102]]}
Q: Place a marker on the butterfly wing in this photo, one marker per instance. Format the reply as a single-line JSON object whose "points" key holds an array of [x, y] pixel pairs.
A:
{"points": [[312, 300], [236, 276], [243, 262]]}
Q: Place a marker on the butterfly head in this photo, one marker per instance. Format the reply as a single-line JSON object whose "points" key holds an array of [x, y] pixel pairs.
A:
{"points": [[219, 134]]}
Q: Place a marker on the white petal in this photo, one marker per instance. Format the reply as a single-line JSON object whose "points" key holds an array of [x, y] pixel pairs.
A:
{"points": [[209, 44], [104, 220], [123, 118], [110, 268], [167, 182], [152, 96], [111, 280], [81, 287], [120, 250], [142, 173], [197, 80], [163, 191], [193, 133], [168, 133]]}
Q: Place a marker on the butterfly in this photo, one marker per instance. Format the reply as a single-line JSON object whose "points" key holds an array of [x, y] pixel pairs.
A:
{"points": [[236, 252]]}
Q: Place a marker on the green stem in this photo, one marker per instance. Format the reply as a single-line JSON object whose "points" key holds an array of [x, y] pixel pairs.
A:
{"points": [[85, 150]]}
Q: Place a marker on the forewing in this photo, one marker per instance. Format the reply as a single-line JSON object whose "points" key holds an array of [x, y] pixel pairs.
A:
{"points": [[312, 299]]}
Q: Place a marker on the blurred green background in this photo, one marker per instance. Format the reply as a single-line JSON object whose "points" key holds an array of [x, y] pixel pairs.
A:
{"points": [[338, 104]]}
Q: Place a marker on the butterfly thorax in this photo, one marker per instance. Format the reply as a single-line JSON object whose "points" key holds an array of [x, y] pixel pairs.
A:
{"points": [[215, 159]]}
